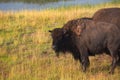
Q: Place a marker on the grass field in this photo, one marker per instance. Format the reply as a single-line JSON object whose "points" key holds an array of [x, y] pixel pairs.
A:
{"points": [[25, 47]]}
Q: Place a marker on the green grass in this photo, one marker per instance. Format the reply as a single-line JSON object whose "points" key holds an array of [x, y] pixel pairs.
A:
{"points": [[25, 47]]}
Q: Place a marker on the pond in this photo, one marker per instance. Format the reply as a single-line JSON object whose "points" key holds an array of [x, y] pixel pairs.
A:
{"points": [[17, 5]]}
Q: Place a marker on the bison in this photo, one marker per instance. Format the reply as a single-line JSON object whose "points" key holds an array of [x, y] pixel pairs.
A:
{"points": [[95, 38], [110, 15]]}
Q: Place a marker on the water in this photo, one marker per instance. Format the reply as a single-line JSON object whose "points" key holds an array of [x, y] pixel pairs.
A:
{"points": [[17, 5]]}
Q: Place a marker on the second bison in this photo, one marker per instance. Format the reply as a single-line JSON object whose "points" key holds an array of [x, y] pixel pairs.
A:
{"points": [[110, 15]]}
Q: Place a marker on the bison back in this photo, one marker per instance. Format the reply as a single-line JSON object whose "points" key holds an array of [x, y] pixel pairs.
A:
{"points": [[110, 15]]}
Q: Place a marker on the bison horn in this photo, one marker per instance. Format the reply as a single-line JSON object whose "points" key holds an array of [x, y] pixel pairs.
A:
{"points": [[50, 31]]}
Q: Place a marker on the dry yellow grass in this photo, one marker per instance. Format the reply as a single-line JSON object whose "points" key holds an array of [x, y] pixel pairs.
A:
{"points": [[25, 47]]}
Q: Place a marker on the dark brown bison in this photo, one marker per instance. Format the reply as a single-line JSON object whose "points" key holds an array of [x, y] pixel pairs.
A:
{"points": [[95, 38], [110, 15]]}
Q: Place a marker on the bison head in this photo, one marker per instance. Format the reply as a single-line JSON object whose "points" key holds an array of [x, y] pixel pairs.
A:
{"points": [[62, 41]]}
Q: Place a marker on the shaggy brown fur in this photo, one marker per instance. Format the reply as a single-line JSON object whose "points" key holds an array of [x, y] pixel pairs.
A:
{"points": [[74, 25]]}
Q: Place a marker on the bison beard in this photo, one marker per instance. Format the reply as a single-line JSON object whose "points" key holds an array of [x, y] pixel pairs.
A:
{"points": [[96, 37]]}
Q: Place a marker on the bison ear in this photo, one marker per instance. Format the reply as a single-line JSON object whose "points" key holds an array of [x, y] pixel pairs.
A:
{"points": [[50, 31]]}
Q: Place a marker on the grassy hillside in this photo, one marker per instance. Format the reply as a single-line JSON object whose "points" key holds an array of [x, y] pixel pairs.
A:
{"points": [[25, 47]]}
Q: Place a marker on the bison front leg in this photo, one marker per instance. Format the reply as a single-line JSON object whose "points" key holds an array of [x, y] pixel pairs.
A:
{"points": [[85, 63], [118, 62], [82, 49], [84, 59]]}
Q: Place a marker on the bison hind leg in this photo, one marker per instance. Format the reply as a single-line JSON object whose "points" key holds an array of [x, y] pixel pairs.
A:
{"points": [[118, 62], [115, 58]]}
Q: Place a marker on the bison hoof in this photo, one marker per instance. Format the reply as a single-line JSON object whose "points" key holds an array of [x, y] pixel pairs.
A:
{"points": [[84, 69], [111, 72]]}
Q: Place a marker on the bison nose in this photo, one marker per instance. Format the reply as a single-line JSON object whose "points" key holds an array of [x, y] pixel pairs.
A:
{"points": [[54, 47]]}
